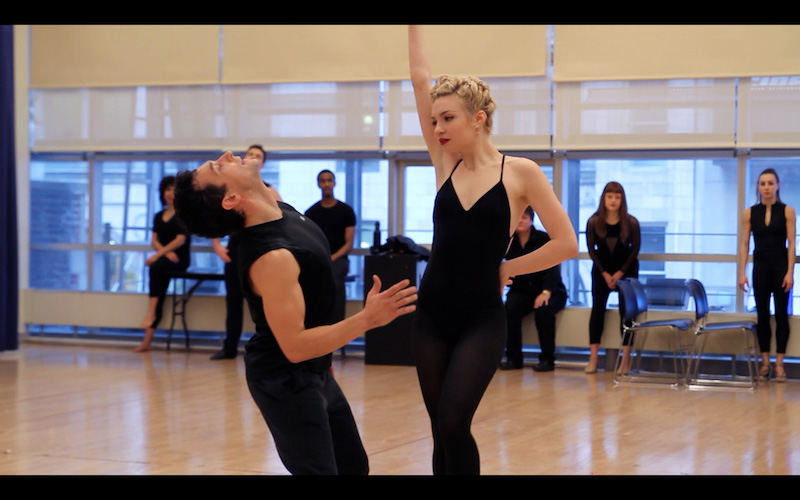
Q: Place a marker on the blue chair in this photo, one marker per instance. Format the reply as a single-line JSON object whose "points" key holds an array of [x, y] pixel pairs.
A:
{"points": [[633, 302], [644, 299], [704, 329]]}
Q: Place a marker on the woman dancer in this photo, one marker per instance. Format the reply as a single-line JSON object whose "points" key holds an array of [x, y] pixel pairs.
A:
{"points": [[460, 327], [613, 238], [773, 225], [172, 246]]}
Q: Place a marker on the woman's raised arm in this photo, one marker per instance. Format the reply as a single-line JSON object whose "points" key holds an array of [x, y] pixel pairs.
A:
{"points": [[420, 71]]}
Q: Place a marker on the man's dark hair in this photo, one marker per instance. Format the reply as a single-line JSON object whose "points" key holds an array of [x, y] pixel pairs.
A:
{"points": [[200, 211], [260, 148]]}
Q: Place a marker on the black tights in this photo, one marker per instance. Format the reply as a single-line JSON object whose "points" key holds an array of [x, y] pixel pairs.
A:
{"points": [[597, 319], [160, 276], [768, 280], [457, 355]]}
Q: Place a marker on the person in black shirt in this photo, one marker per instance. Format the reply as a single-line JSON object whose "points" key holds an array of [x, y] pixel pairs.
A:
{"points": [[172, 246], [613, 238], [285, 269], [338, 221], [542, 293]]}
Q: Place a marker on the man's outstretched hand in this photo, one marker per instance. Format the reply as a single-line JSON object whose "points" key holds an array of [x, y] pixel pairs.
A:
{"points": [[381, 308]]}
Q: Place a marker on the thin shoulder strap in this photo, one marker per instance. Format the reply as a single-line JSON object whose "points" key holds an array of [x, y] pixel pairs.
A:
{"points": [[502, 164], [454, 168]]}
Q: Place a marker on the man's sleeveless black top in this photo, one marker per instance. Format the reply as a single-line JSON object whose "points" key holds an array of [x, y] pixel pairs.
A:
{"points": [[468, 246], [304, 239]]}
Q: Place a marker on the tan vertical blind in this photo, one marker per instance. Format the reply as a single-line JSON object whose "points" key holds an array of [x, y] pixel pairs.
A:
{"points": [[121, 55], [308, 53], [637, 52]]}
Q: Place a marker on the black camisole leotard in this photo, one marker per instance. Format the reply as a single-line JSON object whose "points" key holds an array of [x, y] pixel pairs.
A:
{"points": [[468, 246]]}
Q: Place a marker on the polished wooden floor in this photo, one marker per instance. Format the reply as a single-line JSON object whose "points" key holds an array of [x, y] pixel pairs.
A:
{"points": [[79, 410]]}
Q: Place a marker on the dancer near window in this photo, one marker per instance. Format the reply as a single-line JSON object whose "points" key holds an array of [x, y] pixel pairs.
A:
{"points": [[172, 246], [613, 238], [459, 328], [772, 224]]}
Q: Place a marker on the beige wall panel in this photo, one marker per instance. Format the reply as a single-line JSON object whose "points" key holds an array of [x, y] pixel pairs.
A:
{"points": [[488, 51], [122, 55], [207, 313], [635, 52], [306, 53]]}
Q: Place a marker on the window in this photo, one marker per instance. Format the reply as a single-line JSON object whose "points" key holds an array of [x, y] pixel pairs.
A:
{"points": [[688, 212], [59, 224], [420, 192], [362, 183], [91, 220], [91, 212]]}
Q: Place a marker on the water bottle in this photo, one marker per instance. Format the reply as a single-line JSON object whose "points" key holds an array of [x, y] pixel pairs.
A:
{"points": [[376, 238]]}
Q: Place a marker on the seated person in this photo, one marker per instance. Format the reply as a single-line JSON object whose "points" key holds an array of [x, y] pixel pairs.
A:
{"points": [[542, 293], [172, 246]]}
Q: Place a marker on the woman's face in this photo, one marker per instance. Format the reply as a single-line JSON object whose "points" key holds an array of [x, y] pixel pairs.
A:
{"points": [[612, 201], [169, 195], [768, 185], [524, 224], [453, 126]]}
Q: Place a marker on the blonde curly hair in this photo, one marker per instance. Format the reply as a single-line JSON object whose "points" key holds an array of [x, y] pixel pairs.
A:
{"points": [[474, 93]]}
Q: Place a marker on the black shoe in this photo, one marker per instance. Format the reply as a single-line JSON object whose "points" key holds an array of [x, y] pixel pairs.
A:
{"points": [[509, 365], [544, 366], [223, 354]]}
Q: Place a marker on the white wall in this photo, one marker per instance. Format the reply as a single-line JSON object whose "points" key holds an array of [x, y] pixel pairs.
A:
{"points": [[207, 313]]}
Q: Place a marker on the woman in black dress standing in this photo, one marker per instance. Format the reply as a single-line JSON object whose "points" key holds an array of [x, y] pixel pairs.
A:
{"points": [[613, 237], [772, 224]]}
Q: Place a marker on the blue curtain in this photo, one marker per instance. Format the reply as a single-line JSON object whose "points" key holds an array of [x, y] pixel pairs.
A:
{"points": [[9, 289]]}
